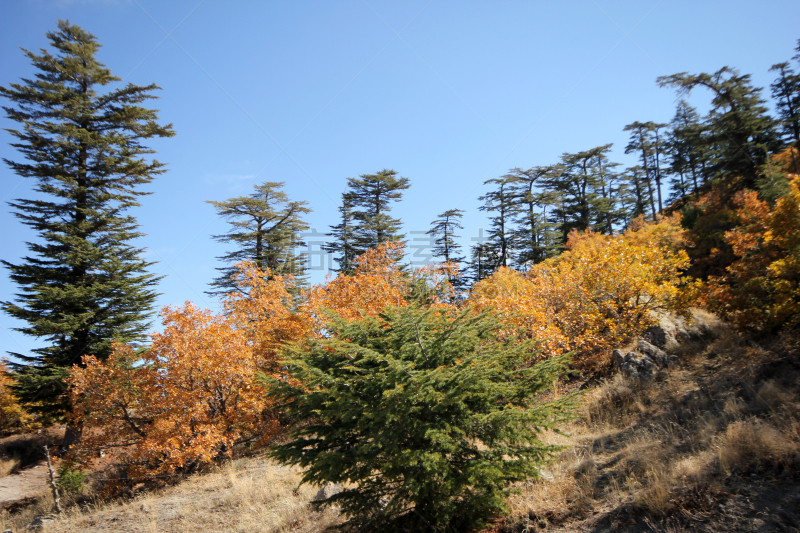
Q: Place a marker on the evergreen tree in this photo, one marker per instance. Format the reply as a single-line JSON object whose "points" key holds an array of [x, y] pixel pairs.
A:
{"points": [[499, 202], [482, 261], [645, 139], [687, 151], [365, 208], [372, 195], [85, 284], [445, 245], [534, 233], [265, 227], [343, 242], [741, 131], [638, 197], [786, 92], [426, 418], [583, 189]]}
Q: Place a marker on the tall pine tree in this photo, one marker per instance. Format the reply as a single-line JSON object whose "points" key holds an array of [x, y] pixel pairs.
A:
{"points": [[365, 208], [500, 203], [85, 283], [343, 234], [533, 234], [786, 92], [445, 245], [741, 130], [266, 228]]}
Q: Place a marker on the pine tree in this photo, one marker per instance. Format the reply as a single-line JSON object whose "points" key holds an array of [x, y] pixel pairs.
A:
{"points": [[687, 152], [482, 262], [786, 92], [534, 233], [500, 202], [583, 188], [445, 245], [741, 131], [638, 196], [85, 284], [266, 228], [365, 208], [427, 418], [343, 242], [645, 140]]}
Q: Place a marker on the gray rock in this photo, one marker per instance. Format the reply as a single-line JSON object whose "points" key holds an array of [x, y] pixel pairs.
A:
{"points": [[41, 523], [656, 354], [657, 336], [673, 361], [619, 358], [330, 489]]}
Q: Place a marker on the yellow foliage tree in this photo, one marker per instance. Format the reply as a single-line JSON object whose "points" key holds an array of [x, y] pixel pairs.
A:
{"points": [[13, 417], [760, 290], [595, 296]]}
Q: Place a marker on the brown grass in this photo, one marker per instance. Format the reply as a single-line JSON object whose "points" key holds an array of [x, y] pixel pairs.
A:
{"points": [[654, 446], [247, 495]]}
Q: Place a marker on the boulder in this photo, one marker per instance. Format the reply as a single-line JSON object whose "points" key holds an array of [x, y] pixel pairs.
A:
{"points": [[41, 523], [657, 336], [619, 358], [330, 489], [654, 352]]}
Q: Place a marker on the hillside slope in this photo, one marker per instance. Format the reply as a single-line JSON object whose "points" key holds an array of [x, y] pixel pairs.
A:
{"points": [[711, 444]]}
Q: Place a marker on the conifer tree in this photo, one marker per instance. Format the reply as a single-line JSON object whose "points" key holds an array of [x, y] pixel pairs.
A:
{"points": [[499, 202], [482, 261], [426, 418], [534, 233], [343, 242], [786, 92], [443, 231], [637, 201], [367, 204], [85, 283], [644, 139], [742, 132], [445, 244], [266, 228], [687, 150], [580, 187]]}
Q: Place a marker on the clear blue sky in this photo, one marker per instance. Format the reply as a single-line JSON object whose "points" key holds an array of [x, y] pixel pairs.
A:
{"points": [[447, 93]]}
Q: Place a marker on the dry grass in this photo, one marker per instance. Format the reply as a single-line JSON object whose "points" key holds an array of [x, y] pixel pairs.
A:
{"points": [[9, 466], [248, 495], [654, 446], [647, 448], [753, 443]]}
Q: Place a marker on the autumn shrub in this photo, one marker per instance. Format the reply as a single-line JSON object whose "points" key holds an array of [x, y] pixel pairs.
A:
{"points": [[760, 290], [597, 295], [13, 417], [424, 416], [192, 395]]}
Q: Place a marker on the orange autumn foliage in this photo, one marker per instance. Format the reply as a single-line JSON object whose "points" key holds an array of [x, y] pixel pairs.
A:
{"points": [[193, 395], [376, 284], [760, 290], [13, 417], [596, 296]]}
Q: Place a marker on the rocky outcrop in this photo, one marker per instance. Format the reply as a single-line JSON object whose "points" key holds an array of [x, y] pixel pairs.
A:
{"points": [[645, 364], [330, 489]]}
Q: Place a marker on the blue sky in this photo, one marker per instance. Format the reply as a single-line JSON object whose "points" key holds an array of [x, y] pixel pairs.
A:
{"points": [[447, 93]]}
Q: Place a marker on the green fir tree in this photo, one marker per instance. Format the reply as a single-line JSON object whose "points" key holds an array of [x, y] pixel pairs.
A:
{"points": [[85, 283], [426, 419], [266, 228]]}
